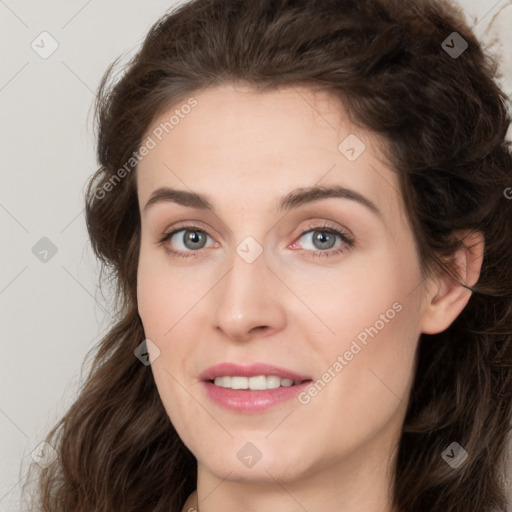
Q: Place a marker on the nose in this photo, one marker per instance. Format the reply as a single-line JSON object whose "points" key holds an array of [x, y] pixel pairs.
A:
{"points": [[247, 301]]}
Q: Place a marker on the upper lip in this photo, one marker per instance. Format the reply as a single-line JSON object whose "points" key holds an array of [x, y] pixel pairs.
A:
{"points": [[251, 370]]}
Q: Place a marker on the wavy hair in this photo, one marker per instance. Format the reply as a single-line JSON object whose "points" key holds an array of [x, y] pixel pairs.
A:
{"points": [[444, 118]]}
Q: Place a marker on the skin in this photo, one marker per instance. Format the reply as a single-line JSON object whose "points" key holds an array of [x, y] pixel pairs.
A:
{"points": [[245, 150]]}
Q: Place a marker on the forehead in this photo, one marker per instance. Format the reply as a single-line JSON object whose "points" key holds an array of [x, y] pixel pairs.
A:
{"points": [[235, 140], [273, 124]]}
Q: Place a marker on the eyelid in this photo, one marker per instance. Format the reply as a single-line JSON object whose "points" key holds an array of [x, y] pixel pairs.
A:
{"points": [[185, 226]]}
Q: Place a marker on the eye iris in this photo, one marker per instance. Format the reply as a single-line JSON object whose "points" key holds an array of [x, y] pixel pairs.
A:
{"points": [[319, 237], [194, 238]]}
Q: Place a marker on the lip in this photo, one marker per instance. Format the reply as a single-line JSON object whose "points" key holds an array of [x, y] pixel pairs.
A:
{"points": [[247, 400], [251, 370]]}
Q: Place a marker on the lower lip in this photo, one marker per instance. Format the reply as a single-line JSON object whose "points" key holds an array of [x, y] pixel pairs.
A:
{"points": [[249, 401]]}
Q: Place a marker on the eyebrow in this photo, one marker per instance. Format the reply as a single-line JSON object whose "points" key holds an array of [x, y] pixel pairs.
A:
{"points": [[292, 200]]}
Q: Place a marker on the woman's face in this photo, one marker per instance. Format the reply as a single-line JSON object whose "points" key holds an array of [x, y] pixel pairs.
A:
{"points": [[320, 284]]}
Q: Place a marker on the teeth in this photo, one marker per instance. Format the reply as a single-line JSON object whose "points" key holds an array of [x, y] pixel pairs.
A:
{"points": [[259, 382]]}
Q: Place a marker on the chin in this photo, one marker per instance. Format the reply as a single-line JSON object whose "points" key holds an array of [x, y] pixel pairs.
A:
{"points": [[244, 461]]}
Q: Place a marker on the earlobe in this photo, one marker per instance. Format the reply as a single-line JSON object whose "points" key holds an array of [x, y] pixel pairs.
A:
{"points": [[446, 297]]}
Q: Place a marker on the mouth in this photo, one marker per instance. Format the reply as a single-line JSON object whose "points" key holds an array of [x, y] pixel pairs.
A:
{"points": [[255, 383], [255, 376], [252, 389]]}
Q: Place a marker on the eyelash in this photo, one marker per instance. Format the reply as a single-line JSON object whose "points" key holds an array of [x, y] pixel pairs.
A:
{"points": [[325, 228]]}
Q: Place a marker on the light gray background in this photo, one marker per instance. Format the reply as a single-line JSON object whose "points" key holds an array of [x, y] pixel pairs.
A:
{"points": [[52, 313]]}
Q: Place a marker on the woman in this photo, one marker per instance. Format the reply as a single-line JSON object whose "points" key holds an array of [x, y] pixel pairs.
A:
{"points": [[303, 205]]}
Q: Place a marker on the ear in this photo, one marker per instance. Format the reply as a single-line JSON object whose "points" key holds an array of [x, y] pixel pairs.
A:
{"points": [[446, 298]]}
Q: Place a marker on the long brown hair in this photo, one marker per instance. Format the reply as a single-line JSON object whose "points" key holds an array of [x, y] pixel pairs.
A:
{"points": [[399, 71]]}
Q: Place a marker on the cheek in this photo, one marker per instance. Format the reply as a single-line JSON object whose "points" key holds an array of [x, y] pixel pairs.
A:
{"points": [[161, 295], [160, 306], [351, 298], [164, 297], [364, 376], [153, 306], [373, 314], [169, 288]]}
